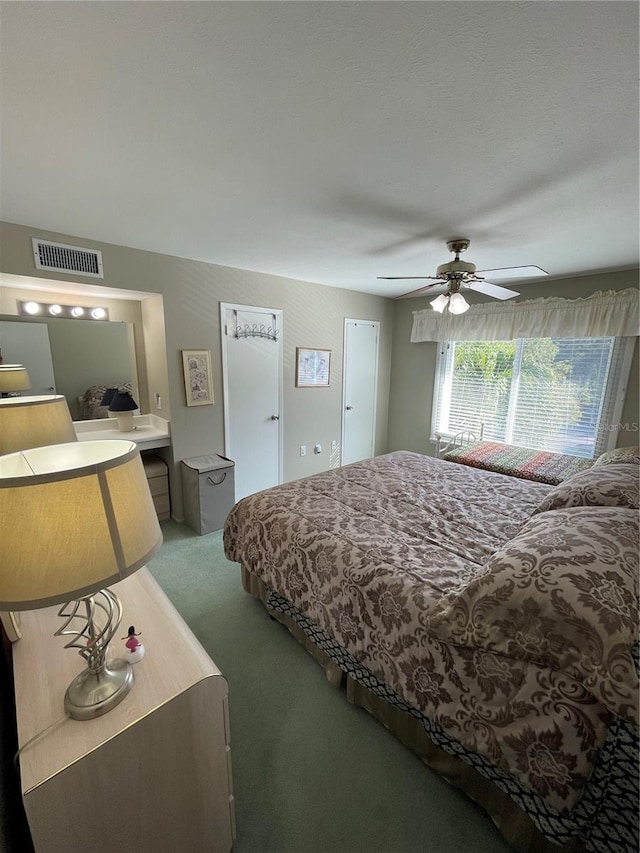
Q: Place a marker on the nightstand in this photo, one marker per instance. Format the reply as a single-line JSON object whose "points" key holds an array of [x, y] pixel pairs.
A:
{"points": [[153, 774]]}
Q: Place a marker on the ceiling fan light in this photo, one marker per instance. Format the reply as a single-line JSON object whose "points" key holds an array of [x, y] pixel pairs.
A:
{"points": [[440, 303], [458, 304]]}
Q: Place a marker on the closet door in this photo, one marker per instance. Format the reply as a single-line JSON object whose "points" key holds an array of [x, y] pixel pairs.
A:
{"points": [[360, 388], [252, 371]]}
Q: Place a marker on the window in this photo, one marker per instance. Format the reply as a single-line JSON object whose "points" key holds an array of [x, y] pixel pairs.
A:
{"points": [[557, 394]]}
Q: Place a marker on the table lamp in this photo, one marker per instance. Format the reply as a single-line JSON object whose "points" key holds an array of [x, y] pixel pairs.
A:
{"points": [[27, 422], [13, 378], [75, 518], [124, 406], [107, 397]]}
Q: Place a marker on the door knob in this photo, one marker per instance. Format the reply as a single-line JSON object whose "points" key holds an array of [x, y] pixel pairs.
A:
{"points": [[349, 408], [275, 417]]}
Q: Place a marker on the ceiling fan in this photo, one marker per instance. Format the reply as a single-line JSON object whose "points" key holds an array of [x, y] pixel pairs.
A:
{"points": [[459, 274]]}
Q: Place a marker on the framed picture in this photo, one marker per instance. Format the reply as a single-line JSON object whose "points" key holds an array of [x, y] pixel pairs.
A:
{"points": [[313, 367], [198, 383]]}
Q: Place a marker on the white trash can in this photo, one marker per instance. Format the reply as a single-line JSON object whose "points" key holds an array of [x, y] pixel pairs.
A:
{"points": [[208, 491]]}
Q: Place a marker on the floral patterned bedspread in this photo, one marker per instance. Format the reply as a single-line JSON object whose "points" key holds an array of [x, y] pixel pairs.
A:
{"points": [[404, 560]]}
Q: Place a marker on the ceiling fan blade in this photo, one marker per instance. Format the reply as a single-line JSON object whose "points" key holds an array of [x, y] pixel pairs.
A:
{"points": [[420, 290], [513, 273], [406, 277], [492, 290]]}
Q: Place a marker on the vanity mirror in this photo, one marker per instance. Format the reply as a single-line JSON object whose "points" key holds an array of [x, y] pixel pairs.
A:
{"points": [[72, 357]]}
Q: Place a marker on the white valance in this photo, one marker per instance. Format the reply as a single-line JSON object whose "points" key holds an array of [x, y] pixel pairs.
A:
{"points": [[603, 314]]}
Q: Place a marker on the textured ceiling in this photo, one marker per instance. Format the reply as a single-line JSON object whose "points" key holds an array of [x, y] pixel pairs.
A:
{"points": [[330, 142]]}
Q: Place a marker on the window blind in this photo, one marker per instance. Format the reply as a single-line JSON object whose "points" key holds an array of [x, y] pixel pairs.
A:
{"points": [[555, 394]]}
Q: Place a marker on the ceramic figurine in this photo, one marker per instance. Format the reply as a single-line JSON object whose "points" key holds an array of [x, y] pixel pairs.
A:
{"points": [[135, 649]]}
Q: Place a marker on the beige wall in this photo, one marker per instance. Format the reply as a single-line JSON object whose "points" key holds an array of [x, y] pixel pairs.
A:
{"points": [[413, 365], [155, 356], [191, 294], [184, 304]]}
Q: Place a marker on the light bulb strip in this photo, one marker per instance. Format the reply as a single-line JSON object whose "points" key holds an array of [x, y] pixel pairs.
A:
{"points": [[31, 308]]}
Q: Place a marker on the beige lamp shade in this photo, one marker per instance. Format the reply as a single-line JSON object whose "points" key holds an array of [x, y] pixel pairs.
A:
{"points": [[13, 377], [27, 422], [74, 518]]}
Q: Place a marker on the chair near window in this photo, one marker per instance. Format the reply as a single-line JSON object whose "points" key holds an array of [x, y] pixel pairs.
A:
{"points": [[460, 439]]}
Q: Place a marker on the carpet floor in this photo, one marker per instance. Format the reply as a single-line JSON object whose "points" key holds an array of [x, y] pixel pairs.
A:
{"points": [[311, 773]]}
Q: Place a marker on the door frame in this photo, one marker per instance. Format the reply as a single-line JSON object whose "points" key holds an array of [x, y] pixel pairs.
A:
{"points": [[375, 323], [279, 315]]}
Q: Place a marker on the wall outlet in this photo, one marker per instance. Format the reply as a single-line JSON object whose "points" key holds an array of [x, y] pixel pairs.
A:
{"points": [[303, 450], [158, 401], [334, 445]]}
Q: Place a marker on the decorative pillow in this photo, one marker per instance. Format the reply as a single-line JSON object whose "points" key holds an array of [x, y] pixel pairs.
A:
{"points": [[563, 593], [618, 455], [609, 485]]}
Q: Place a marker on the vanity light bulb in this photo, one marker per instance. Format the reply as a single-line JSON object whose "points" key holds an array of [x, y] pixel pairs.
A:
{"points": [[98, 313], [55, 310], [77, 312], [32, 308]]}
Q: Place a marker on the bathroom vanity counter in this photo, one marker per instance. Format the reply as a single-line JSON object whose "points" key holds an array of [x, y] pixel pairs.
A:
{"points": [[149, 431]]}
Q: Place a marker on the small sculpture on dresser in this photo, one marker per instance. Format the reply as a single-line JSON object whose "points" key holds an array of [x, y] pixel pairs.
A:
{"points": [[134, 646]]}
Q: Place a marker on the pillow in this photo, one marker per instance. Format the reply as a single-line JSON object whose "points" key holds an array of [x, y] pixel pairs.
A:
{"points": [[618, 455], [608, 485], [563, 593]]}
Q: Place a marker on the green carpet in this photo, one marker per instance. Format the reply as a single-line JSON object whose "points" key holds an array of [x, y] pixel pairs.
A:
{"points": [[311, 773]]}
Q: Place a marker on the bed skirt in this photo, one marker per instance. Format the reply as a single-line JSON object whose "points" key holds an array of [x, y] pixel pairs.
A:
{"points": [[513, 823]]}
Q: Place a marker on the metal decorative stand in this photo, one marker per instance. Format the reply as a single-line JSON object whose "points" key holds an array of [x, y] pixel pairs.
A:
{"points": [[101, 686]]}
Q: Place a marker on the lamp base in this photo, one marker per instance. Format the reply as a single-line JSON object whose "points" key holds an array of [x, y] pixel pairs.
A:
{"points": [[92, 694], [125, 421]]}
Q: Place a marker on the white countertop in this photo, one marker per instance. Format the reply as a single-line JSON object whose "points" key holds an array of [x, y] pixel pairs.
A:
{"points": [[148, 431]]}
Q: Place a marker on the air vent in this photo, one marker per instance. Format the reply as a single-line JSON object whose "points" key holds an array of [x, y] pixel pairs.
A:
{"points": [[62, 258]]}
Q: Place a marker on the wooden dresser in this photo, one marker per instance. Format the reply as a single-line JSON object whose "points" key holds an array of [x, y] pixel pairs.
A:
{"points": [[153, 774]]}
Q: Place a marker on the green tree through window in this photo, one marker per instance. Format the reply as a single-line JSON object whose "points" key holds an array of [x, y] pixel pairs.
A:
{"points": [[543, 393]]}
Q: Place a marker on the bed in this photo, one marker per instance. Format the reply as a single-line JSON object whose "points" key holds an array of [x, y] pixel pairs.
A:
{"points": [[489, 621]]}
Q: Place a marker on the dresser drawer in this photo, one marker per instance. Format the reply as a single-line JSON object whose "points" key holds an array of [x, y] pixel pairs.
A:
{"points": [[162, 505], [157, 474], [159, 485]]}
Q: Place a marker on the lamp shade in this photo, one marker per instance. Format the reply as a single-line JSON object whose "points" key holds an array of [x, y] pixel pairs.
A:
{"points": [[122, 401], [74, 518], [13, 377], [27, 422], [108, 396]]}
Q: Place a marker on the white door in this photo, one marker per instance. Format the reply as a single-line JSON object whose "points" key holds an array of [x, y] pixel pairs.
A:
{"points": [[252, 375], [28, 344], [360, 387]]}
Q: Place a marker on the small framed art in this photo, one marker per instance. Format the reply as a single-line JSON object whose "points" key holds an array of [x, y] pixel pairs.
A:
{"points": [[313, 367], [198, 382]]}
